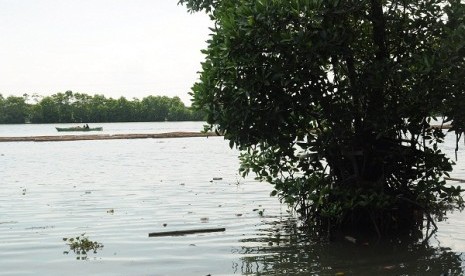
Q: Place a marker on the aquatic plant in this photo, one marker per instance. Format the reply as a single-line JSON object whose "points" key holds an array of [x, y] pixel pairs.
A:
{"points": [[81, 245]]}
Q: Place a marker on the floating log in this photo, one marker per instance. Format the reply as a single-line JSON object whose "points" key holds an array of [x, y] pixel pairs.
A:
{"points": [[444, 126], [186, 232], [58, 138], [455, 179], [351, 239]]}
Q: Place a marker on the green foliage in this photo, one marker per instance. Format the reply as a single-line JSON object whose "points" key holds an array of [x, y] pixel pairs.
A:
{"points": [[13, 110], [81, 245], [331, 102], [72, 107]]}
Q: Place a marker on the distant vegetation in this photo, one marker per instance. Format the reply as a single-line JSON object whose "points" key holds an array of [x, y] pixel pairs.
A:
{"points": [[72, 107]]}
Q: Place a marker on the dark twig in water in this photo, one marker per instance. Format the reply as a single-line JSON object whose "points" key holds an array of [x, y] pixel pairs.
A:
{"points": [[186, 232]]}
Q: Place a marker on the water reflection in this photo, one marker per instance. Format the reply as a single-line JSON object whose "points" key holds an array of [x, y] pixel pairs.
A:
{"points": [[283, 249]]}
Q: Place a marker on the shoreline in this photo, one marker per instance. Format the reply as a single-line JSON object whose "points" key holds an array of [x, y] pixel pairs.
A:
{"points": [[81, 137]]}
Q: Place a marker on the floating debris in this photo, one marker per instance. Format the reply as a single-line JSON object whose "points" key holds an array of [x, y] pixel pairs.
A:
{"points": [[53, 138], [455, 179], [351, 239], [7, 222], [40, 227], [186, 232], [217, 178]]}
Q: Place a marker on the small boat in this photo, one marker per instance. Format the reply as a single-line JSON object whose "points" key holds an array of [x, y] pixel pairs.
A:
{"points": [[79, 128]]}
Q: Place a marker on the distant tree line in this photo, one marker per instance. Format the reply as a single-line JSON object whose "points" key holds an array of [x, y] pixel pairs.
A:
{"points": [[72, 107]]}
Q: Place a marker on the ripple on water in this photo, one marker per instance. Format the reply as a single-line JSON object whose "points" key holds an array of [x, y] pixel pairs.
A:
{"points": [[70, 189]]}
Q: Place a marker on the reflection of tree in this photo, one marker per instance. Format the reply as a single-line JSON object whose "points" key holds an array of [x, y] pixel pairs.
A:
{"points": [[282, 249]]}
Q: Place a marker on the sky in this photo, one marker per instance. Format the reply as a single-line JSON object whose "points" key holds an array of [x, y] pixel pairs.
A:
{"points": [[130, 48]]}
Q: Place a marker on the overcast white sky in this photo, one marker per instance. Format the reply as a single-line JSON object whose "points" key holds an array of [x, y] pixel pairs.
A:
{"points": [[130, 48]]}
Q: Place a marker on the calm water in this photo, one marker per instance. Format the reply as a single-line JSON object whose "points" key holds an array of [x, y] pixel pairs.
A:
{"points": [[108, 128], [118, 191]]}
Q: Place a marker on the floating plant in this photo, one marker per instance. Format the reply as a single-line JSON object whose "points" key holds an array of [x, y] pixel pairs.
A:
{"points": [[81, 245]]}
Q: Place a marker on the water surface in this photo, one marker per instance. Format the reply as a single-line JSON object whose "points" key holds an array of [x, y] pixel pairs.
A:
{"points": [[108, 128], [118, 191]]}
